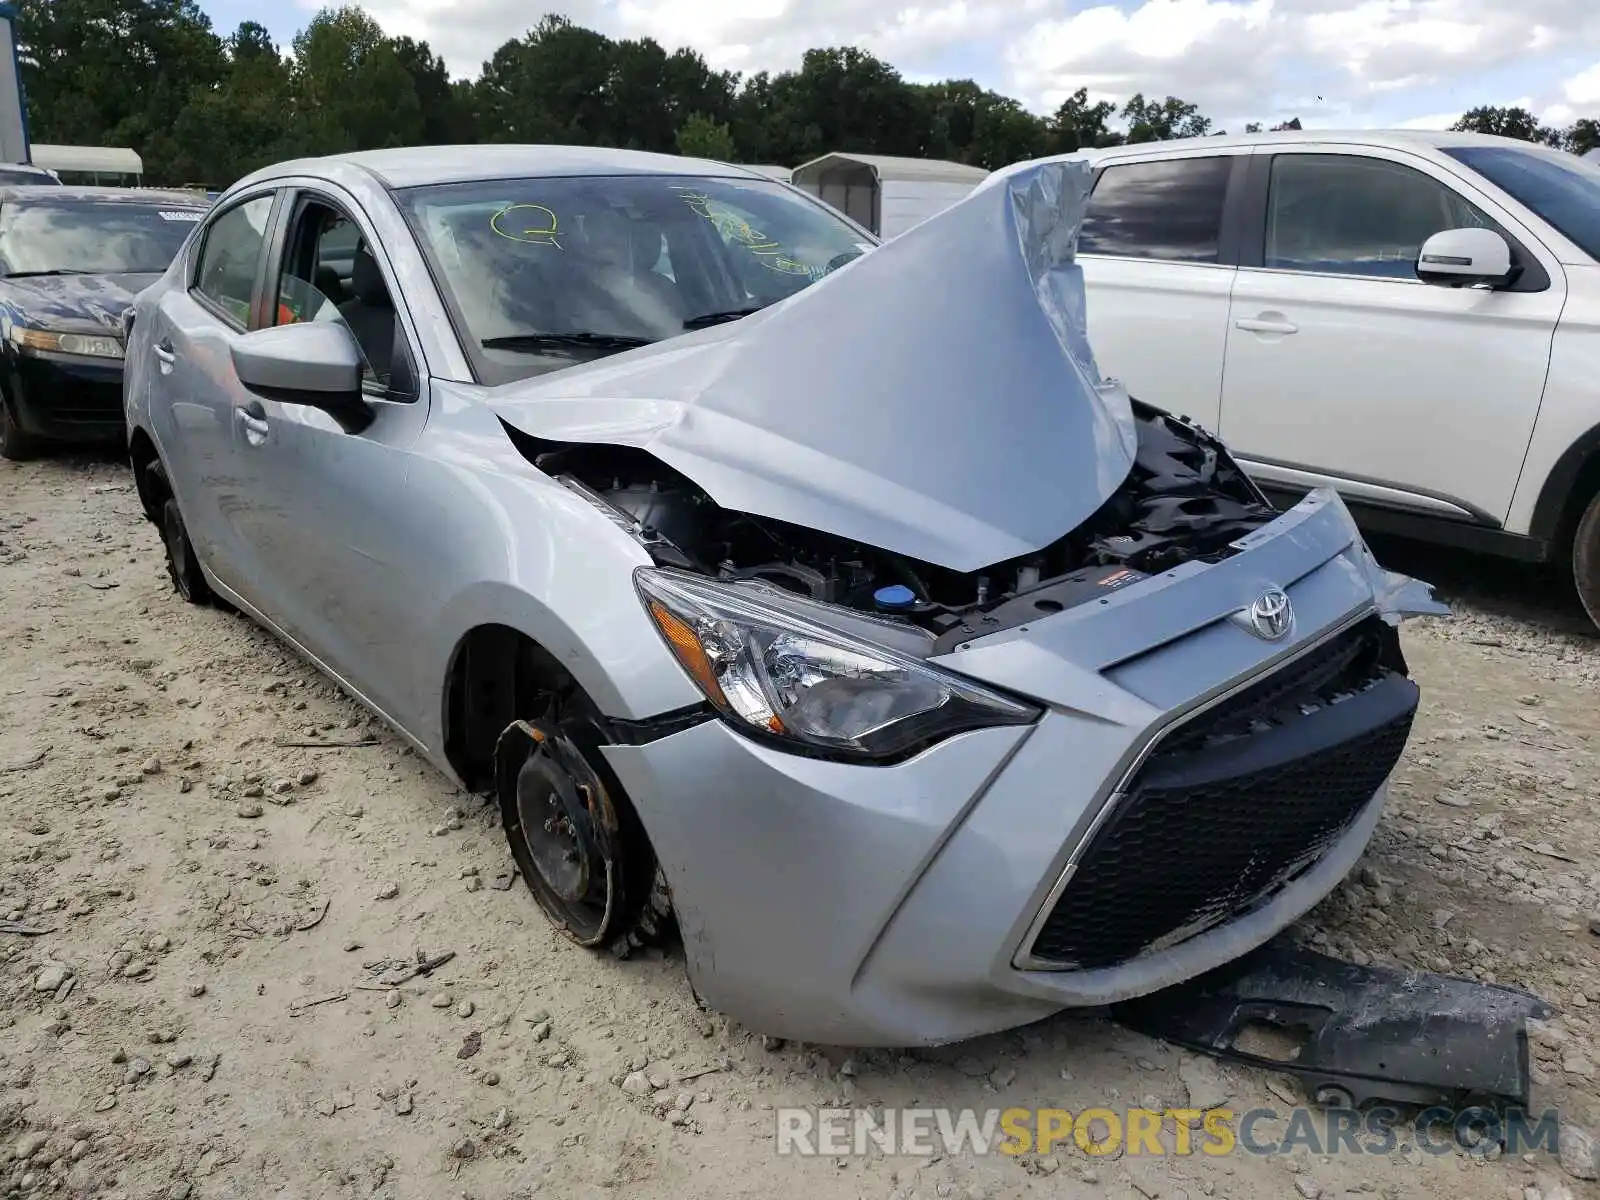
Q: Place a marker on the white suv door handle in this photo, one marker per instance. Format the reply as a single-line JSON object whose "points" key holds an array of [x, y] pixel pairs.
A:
{"points": [[1266, 325], [164, 354]]}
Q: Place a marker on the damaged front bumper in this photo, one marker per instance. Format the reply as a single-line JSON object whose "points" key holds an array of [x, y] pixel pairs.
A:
{"points": [[1192, 789]]}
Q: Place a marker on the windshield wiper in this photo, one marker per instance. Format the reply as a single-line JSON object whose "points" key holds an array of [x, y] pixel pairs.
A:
{"points": [[51, 271], [556, 341], [706, 320]]}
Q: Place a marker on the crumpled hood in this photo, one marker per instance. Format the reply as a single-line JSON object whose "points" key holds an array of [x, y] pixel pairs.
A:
{"points": [[74, 301], [935, 398]]}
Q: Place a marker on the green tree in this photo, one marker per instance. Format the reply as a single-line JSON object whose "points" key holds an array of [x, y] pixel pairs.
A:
{"points": [[116, 72], [154, 75], [1507, 122], [352, 90], [970, 124], [841, 98], [701, 137], [1081, 125], [1162, 120], [552, 85], [245, 122], [1582, 137], [447, 114]]}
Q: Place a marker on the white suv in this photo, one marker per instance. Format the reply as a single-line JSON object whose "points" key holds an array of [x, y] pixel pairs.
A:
{"points": [[1413, 318]]}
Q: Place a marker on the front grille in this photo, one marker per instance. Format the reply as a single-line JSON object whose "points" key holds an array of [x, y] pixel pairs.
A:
{"points": [[1236, 804], [1341, 665], [88, 403]]}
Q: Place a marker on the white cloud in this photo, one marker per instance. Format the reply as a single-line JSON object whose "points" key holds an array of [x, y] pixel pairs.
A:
{"points": [[1358, 62], [1583, 89], [1368, 62], [1429, 121]]}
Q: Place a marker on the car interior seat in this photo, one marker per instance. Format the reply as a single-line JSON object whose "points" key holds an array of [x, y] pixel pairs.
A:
{"points": [[370, 312], [330, 285]]}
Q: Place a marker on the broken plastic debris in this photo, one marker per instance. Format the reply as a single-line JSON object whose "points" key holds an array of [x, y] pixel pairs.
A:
{"points": [[1365, 1033]]}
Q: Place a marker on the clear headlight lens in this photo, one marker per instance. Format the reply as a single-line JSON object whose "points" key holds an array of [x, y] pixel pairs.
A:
{"points": [[772, 673], [94, 345]]}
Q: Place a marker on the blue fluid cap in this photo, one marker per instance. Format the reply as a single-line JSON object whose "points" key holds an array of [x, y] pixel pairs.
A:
{"points": [[896, 595]]}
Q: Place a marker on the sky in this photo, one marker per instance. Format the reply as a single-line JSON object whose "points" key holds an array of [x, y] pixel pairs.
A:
{"points": [[1332, 63]]}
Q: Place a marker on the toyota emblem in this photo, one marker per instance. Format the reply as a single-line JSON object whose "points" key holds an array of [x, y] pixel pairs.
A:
{"points": [[1271, 616]]}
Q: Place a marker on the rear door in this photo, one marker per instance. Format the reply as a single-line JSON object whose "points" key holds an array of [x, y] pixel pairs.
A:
{"points": [[1158, 251], [197, 393], [1344, 368]]}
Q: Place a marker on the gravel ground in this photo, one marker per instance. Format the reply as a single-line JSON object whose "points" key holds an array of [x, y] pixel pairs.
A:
{"points": [[204, 1017]]}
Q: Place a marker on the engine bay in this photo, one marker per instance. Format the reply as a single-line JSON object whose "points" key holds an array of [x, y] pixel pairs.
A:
{"points": [[1184, 499]]}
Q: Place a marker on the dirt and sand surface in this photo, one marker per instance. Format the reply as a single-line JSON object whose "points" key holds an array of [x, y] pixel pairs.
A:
{"points": [[208, 1016]]}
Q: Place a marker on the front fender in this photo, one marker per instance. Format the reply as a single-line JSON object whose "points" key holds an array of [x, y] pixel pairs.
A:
{"points": [[525, 552], [618, 659]]}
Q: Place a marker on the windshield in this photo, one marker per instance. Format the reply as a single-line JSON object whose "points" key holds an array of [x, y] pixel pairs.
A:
{"points": [[1566, 194], [30, 178], [93, 237], [544, 273]]}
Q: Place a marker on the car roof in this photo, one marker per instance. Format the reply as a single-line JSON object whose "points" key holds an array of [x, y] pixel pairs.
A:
{"points": [[60, 192], [1394, 139], [417, 166]]}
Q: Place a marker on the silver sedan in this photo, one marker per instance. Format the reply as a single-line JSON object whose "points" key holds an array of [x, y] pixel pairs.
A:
{"points": [[815, 597]]}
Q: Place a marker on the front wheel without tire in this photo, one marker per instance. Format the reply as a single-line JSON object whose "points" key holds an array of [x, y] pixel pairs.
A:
{"points": [[1586, 559], [183, 567], [577, 843]]}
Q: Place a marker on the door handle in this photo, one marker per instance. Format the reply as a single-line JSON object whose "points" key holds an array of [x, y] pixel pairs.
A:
{"points": [[1266, 325], [254, 419], [164, 352]]}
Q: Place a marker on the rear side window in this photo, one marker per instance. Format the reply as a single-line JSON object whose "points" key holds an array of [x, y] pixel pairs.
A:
{"points": [[1167, 210], [230, 256], [1346, 215]]}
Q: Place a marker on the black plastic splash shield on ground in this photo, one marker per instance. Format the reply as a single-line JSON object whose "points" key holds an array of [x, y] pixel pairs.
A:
{"points": [[1369, 1033]]}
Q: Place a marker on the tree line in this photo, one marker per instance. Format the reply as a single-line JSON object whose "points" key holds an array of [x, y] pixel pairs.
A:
{"points": [[201, 108]]}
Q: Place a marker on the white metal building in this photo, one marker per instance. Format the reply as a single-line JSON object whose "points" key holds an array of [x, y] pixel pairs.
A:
{"points": [[886, 194], [13, 112], [115, 165]]}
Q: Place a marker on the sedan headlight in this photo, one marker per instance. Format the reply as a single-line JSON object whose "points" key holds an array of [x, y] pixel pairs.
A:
{"points": [[776, 675], [92, 345]]}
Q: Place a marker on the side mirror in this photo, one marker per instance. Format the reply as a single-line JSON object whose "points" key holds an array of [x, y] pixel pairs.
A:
{"points": [[1465, 257], [315, 363]]}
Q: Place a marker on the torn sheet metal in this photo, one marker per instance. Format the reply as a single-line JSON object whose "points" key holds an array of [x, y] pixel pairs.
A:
{"points": [[935, 398], [1371, 1033], [1400, 597]]}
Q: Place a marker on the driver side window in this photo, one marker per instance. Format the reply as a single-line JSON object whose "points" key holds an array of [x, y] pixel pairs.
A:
{"points": [[1349, 215], [330, 274]]}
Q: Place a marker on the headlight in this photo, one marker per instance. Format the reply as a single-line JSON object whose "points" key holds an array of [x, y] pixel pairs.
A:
{"points": [[93, 345], [773, 674]]}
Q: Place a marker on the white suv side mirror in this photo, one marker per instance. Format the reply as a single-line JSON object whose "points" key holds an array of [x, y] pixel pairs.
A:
{"points": [[1462, 257]]}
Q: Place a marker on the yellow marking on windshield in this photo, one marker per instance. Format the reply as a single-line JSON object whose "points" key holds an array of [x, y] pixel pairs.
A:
{"points": [[738, 230], [531, 224]]}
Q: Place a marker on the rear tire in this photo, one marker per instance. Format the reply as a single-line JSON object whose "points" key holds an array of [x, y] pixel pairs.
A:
{"points": [[183, 567], [16, 443], [1586, 559]]}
